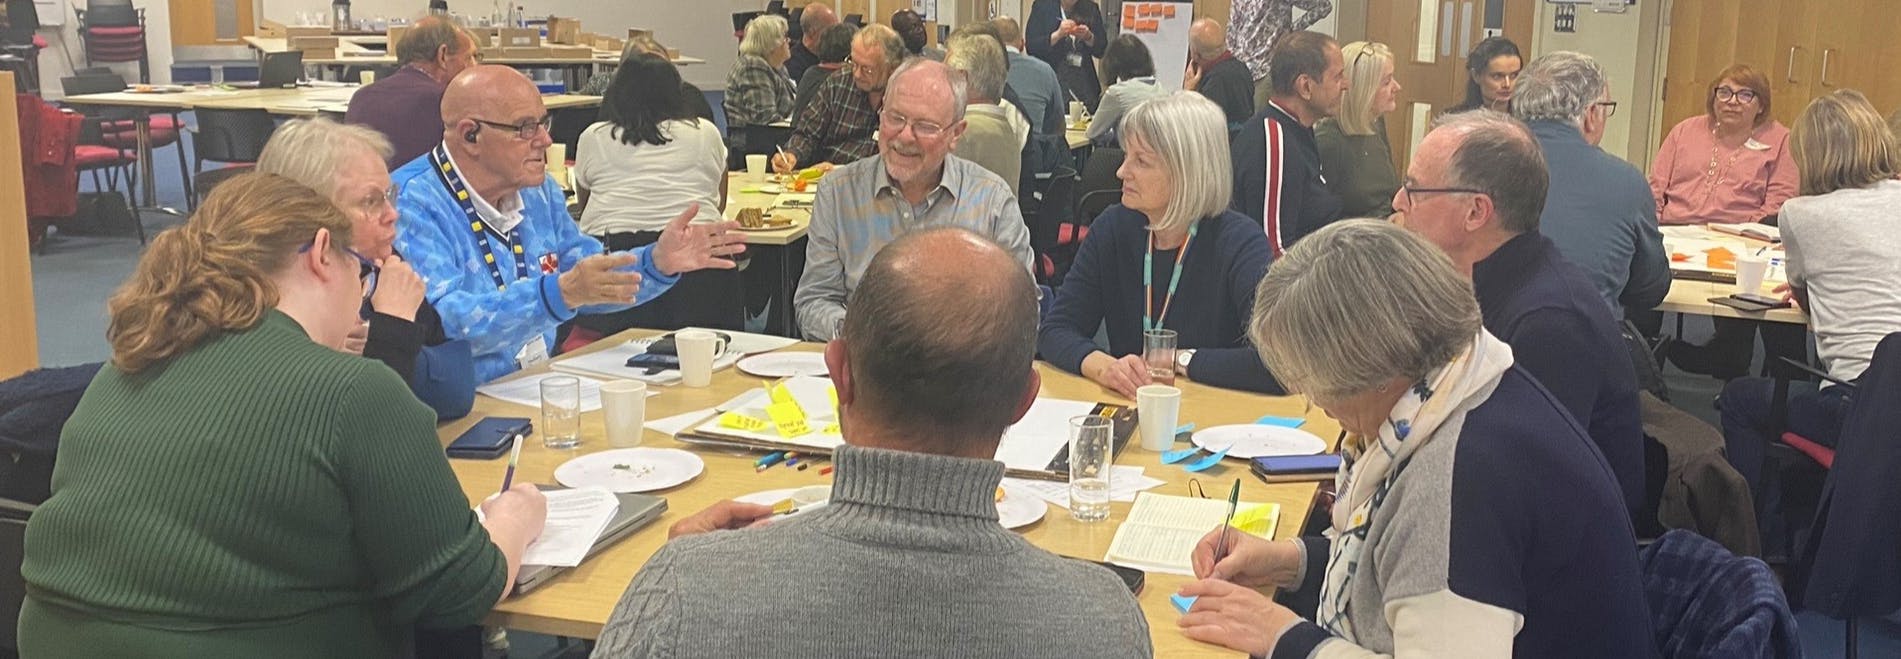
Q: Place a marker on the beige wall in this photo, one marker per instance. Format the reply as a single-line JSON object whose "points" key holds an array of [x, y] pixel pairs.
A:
{"points": [[1626, 45]]}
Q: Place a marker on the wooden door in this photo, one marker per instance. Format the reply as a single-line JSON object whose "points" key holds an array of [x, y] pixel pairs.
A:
{"points": [[1425, 36], [211, 22]]}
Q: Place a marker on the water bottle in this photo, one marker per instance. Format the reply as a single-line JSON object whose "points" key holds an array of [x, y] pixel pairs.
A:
{"points": [[340, 16]]}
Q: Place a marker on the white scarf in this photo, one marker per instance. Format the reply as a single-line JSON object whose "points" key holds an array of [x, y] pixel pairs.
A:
{"points": [[1370, 471]]}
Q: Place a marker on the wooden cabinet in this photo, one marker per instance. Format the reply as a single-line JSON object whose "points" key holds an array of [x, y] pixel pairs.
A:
{"points": [[1806, 47]]}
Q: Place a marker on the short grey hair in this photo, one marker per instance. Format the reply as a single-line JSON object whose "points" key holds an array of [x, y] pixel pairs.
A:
{"points": [[1559, 86], [1190, 133], [1498, 156], [960, 90], [311, 151], [762, 35], [1410, 311], [982, 60]]}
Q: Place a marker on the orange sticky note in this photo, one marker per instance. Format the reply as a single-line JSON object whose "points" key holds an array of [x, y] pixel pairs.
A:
{"points": [[1168, 11], [1151, 26], [1720, 258], [1128, 21]]}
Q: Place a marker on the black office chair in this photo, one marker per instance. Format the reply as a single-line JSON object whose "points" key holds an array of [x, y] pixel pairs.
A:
{"points": [[20, 45], [13, 517], [234, 137], [1099, 188]]}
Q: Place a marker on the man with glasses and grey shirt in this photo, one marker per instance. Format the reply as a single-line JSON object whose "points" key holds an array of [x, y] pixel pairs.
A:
{"points": [[1599, 211], [489, 231], [911, 183]]}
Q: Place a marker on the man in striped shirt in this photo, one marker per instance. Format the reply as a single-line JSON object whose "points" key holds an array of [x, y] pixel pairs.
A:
{"points": [[1277, 178]]}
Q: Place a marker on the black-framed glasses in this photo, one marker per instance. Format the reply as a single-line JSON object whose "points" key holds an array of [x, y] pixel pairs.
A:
{"points": [[1409, 190], [1610, 108], [893, 121], [1743, 96], [526, 130]]}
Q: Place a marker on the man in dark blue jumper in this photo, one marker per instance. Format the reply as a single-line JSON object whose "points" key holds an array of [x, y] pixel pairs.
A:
{"points": [[1476, 188]]}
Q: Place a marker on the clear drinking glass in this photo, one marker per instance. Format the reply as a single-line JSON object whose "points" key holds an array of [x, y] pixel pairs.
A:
{"points": [[1091, 439], [561, 412], [1158, 351]]}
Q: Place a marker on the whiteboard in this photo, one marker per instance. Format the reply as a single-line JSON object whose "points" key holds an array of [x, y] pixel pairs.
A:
{"points": [[1163, 27]]}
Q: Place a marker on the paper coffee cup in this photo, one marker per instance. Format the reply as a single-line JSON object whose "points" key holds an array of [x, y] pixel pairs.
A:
{"points": [[1158, 410], [624, 411], [1750, 270]]}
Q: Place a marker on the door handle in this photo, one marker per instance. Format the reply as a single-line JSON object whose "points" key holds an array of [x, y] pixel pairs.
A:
{"points": [[1825, 56], [1791, 68]]}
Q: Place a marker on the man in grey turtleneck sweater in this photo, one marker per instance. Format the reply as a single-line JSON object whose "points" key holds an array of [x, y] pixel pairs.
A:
{"points": [[908, 560]]}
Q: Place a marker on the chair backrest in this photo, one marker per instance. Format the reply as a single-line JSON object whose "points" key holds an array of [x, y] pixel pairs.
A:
{"points": [[13, 518], [1099, 174], [1046, 204], [232, 135], [1852, 565], [1644, 359], [110, 13], [1707, 602]]}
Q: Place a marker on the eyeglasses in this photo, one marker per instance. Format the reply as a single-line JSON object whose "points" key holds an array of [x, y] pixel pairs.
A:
{"points": [[867, 69], [1610, 107], [892, 121], [1409, 190], [366, 268], [374, 202], [526, 130], [1743, 96]]}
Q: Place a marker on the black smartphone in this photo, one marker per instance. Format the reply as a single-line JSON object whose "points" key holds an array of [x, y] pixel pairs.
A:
{"points": [[490, 438], [666, 346], [1743, 304], [1131, 577], [654, 362]]}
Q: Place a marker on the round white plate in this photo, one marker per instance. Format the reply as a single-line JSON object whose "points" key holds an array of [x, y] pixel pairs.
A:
{"points": [[631, 469], [784, 364], [1017, 509], [1254, 441]]}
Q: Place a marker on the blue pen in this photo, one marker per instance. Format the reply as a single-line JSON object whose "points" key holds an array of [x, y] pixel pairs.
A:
{"points": [[771, 459]]}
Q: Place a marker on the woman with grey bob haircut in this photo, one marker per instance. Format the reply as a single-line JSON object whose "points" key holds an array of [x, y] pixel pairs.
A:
{"points": [[1475, 518], [1172, 256], [759, 91]]}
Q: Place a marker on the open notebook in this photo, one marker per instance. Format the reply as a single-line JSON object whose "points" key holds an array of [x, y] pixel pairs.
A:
{"points": [[1162, 530]]}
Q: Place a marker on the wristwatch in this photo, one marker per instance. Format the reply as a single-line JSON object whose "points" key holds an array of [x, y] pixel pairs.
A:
{"points": [[1182, 357]]}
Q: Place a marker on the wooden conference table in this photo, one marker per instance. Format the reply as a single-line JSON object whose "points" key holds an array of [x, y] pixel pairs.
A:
{"points": [[577, 603], [1692, 285]]}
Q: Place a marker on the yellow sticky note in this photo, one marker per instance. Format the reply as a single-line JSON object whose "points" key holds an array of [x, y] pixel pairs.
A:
{"points": [[832, 429], [741, 422], [1258, 520], [779, 394], [832, 392], [788, 418]]}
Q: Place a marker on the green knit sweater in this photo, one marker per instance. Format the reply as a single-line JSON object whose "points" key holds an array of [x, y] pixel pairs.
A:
{"points": [[260, 495]]}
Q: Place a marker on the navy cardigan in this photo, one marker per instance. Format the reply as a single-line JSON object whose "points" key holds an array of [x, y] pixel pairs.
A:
{"points": [[1226, 260]]}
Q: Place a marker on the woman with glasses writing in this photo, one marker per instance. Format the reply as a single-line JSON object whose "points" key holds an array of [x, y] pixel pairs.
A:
{"points": [[234, 485], [1171, 256], [1728, 166]]}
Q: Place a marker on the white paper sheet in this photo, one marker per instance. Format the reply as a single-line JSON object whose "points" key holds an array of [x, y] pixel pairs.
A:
{"points": [[576, 518], [1124, 483], [527, 390], [1043, 432], [673, 425]]}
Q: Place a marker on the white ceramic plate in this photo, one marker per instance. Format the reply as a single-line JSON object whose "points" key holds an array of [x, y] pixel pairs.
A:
{"points": [[1254, 441], [784, 364], [631, 469], [1017, 509]]}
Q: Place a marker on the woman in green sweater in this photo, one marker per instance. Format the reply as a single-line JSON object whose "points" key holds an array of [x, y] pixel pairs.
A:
{"points": [[1355, 157], [235, 486]]}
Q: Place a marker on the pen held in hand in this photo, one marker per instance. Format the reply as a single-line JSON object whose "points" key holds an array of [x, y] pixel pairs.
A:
{"points": [[514, 457], [1234, 499]]}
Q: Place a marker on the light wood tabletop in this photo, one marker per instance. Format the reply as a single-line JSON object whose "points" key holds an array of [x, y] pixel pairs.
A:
{"points": [[1692, 285], [744, 191], [301, 101], [578, 602]]}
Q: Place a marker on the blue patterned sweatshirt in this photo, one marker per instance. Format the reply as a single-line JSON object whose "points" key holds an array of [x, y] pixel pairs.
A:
{"points": [[436, 236]]}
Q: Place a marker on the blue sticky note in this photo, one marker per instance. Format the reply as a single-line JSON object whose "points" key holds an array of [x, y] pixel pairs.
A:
{"points": [[1210, 461], [1182, 602], [1172, 457], [1282, 421], [1186, 427]]}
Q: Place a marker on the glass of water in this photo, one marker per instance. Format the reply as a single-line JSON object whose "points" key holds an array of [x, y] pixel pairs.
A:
{"points": [[561, 412], [1091, 439]]}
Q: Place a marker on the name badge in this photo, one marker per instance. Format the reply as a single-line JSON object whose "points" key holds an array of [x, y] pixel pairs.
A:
{"points": [[1753, 145], [532, 353], [1074, 59]]}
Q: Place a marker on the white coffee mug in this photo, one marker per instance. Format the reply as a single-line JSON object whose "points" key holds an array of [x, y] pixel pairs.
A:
{"points": [[698, 349], [1075, 112], [624, 411], [1158, 409], [756, 166]]}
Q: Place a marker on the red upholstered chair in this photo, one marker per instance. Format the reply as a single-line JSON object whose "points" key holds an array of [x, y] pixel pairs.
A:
{"points": [[115, 163]]}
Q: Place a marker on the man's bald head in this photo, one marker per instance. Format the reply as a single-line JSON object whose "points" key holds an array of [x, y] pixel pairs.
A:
{"points": [[815, 17], [483, 91], [940, 335], [1206, 38]]}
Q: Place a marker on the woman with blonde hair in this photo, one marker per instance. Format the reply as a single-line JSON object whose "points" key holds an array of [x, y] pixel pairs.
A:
{"points": [[1844, 266], [759, 91], [1354, 151], [234, 485], [1172, 256]]}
